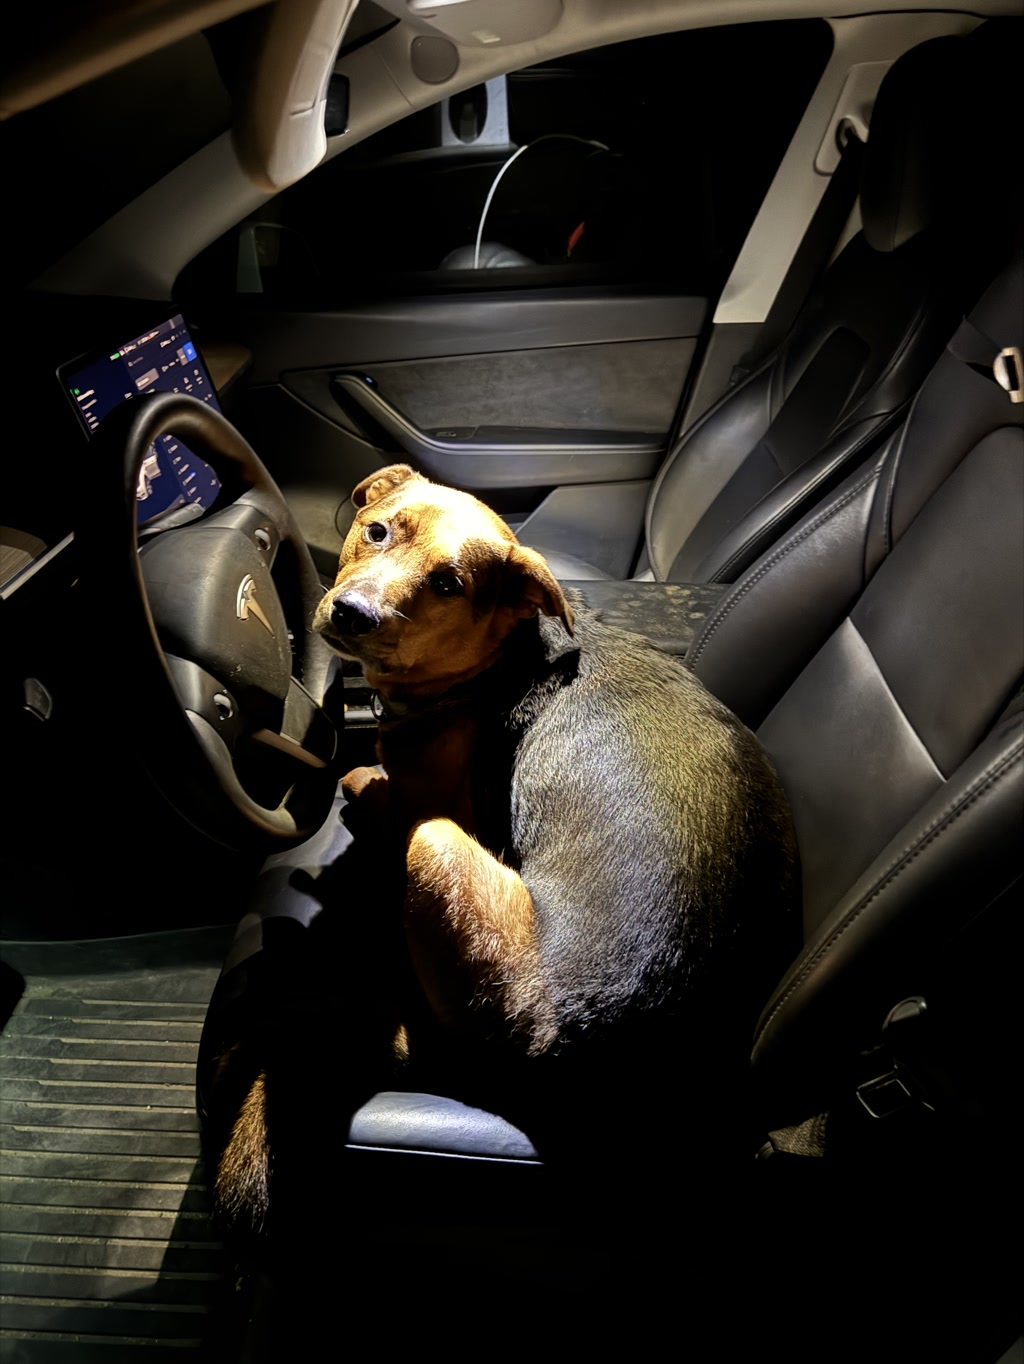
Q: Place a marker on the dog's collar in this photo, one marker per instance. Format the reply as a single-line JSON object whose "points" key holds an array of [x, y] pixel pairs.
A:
{"points": [[464, 693], [398, 710], [534, 649], [500, 684]]}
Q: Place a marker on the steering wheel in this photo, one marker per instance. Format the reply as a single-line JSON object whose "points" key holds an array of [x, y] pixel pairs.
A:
{"points": [[228, 677]]}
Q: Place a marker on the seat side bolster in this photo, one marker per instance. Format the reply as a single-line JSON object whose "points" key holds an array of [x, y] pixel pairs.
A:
{"points": [[955, 857], [782, 610]]}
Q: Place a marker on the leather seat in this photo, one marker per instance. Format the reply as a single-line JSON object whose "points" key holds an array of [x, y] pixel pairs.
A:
{"points": [[777, 442], [888, 629]]}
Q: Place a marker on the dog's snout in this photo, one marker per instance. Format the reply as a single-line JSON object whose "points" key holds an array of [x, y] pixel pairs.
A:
{"points": [[352, 614]]}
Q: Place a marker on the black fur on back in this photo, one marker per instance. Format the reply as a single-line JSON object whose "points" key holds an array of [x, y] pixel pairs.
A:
{"points": [[652, 833]]}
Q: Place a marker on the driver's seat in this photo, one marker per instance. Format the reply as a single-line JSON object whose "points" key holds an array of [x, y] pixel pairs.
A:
{"points": [[878, 650]]}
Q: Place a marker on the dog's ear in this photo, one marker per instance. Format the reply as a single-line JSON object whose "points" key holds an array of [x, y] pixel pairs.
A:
{"points": [[535, 587], [381, 483]]}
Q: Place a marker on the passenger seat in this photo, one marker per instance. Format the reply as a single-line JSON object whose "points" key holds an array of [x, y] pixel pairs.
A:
{"points": [[862, 344]]}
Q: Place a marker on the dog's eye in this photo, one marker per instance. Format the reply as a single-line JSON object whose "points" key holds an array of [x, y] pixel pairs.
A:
{"points": [[446, 584], [376, 533]]}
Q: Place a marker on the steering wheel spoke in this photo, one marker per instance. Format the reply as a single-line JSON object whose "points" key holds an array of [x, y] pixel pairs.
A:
{"points": [[220, 611], [200, 693]]}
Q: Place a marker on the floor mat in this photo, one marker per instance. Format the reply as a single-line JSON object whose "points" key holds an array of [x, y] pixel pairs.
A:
{"points": [[106, 1246]]}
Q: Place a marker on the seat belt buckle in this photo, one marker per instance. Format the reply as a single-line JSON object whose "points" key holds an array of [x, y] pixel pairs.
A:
{"points": [[896, 1087], [889, 1093], [1008, 369]]}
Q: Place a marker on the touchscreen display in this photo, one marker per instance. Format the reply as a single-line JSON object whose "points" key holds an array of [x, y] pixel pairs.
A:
{"points": [[165, 360]]}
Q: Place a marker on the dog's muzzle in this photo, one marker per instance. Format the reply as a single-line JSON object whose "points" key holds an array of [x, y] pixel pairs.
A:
{"points": [[353, 615]]}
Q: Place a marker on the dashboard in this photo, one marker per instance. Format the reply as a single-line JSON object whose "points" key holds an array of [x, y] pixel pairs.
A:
{"points": [[173, 479], [48, 488]]}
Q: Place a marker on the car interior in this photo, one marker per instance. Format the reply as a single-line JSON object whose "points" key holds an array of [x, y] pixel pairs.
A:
{"points": [[722, 310]]}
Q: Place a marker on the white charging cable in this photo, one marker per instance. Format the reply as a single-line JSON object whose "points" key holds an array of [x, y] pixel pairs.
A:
{"points": [[547, 137]]}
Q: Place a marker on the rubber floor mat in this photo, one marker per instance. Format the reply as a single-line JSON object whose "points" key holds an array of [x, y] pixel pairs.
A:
{"points": [[107, 1251]]}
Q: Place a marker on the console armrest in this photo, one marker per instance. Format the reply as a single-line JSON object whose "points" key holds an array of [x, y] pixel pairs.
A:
{"points": [[668, 614]]}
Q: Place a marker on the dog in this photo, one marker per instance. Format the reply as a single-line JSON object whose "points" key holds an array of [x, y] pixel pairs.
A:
{"points": [[590, 858]]}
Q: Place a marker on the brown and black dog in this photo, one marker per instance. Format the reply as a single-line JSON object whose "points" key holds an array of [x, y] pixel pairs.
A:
{"points": [[588, 853]]}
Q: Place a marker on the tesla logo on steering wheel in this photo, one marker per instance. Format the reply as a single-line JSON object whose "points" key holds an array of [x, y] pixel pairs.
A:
{"points": [[246, 604]]}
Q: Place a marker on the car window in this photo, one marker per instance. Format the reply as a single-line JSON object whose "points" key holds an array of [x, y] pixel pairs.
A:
{"points": [[643, 161]]}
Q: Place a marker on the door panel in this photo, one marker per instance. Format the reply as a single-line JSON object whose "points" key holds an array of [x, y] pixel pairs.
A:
{"points": [[388, 329], [508, 394], [621, 386], [480, 457]]}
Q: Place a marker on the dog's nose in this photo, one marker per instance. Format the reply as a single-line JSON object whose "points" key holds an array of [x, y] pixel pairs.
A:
{"points": [[352, 614]]}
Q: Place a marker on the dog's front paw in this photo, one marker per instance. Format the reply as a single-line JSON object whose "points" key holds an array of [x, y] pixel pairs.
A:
{"points": [[366, 792], [360, 780]]}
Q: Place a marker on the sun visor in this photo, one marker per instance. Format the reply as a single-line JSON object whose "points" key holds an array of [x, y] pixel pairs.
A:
{"points": [[279, 129]]}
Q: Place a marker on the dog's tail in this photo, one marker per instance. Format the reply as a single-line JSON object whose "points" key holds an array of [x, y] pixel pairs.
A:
{"points": [[242, 1187]]}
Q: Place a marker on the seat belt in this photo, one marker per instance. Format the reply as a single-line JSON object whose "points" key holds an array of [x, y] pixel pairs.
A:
{"points": [[898, 1077], [812, 255], [1004, 365], [902, 1080]]}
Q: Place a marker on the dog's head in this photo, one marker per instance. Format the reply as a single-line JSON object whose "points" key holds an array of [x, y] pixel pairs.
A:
{"points": [[429, 584]]}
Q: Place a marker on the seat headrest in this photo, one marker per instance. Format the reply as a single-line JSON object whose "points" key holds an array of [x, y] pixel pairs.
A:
{"points": [[905, 182], [989, 189]]}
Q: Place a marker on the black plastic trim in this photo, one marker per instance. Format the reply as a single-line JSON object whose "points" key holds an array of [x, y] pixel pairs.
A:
{"points": [[420, 328]]}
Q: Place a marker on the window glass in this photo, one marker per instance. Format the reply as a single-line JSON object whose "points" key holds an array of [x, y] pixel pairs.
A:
{"points": [[643, 162]]}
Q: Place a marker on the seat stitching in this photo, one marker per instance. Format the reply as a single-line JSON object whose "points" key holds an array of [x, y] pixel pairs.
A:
{"points": [[897, 459], [938, 827], [791, 544], [878, 432], [915, 325], [885, 420]]}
